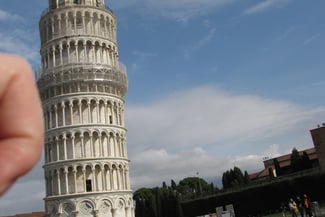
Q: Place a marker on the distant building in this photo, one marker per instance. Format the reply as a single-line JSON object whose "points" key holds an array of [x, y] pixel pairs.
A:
{"points": [[315, 154], [318, 136], [284, 162], [32, 214]]}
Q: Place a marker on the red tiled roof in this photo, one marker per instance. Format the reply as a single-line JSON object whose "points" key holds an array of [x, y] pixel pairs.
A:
{"points": [[284, 161], [33, 214]]}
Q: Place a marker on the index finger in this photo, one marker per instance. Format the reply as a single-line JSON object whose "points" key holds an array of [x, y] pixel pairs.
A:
{"points": [[21, 120]]}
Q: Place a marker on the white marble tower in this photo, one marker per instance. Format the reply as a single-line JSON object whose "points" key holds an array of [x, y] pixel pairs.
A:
{"points": [[82, 86]]}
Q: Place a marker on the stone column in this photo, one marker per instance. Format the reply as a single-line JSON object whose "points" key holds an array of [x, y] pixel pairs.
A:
{"points": [[89, 112], [57, 149], [64, 140], [114, 210], [71, 112], [63, 113], [66, 181], [73, 146], [83, 154], [50, 118], [75, 180], [53, 56], [81, 121], [56, 116], [59, 182], [97, 109]]}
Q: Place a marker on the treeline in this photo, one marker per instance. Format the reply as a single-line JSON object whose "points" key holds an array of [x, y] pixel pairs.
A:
{"points": [[166, 201], [297, 163], [234, 178], [259, 200], [169, 201]]}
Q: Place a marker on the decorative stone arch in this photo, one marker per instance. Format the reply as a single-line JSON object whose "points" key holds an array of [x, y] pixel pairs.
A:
{"points": [[86, 207], [96, 20], [73, 51], [104, 207], [118, 148], [52, 208], [67, 209], [78, 144], [89, 177], [96, 143], [76, 111], [107, 172], [81, 52], [98, 177], [104, 143], [56, 182], [120, 206], [63, 180], [71, 180], [102, 27], [84, 108], [79, 14], [80, 179], [87, 144], [112, 143], [69, 140], [115, 177], [97, 51]]}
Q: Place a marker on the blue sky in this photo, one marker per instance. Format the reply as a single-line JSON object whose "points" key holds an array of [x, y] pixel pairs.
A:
{"points": [[212, 84]]}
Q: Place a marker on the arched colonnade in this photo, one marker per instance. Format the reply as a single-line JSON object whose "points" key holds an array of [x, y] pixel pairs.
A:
{"points": [[83, 111], [95, 177]]}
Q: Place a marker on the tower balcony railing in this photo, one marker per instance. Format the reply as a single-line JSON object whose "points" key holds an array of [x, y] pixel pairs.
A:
{"points": [[82, 72], [73, 5]]}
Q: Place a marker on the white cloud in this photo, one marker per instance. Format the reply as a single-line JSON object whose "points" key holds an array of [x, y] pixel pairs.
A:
{"points": [[150, 168], [204, 129], [206, 115], [9, 17], [208, 130], [181, 10], [272, 151], [312, 38], [266, 5], [143, 54], [25, 40], [204, 41]]}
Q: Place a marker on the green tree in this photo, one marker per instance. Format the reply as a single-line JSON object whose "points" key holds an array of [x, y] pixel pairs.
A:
{"points": [[295, 160], [305, 161], [246, 177], [173, 184], [192, 185], [144, 199], [226, 179], [164, 185], [234, 178]]}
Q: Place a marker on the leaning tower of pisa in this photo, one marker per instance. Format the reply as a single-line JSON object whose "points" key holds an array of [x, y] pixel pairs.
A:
{"points": [[82, 86]]}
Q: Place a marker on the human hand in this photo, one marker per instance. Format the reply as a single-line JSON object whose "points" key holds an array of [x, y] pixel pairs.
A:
{"points": [[21, 120]]}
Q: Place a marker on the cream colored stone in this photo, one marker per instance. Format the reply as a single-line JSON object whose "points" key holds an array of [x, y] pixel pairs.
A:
{"points": [[82, 86]]}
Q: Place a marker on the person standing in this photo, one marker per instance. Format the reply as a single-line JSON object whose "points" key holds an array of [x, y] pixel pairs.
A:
{"points": [[300, 206], [293, 207], [307, 206]]}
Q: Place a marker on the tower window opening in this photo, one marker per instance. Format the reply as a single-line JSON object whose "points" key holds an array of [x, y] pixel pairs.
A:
{"points": [[88, 185], [110, 119], [76, 2]]}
